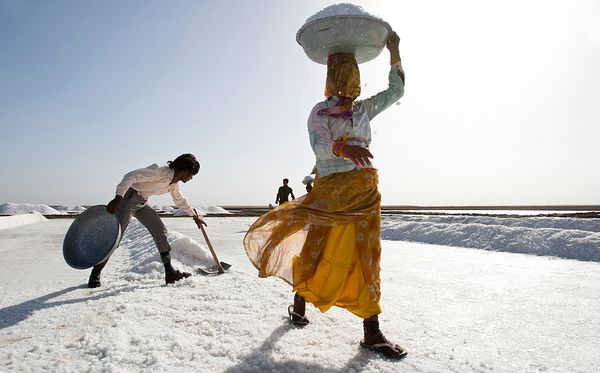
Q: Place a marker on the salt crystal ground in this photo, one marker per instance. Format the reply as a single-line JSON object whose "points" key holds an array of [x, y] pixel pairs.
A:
{"points": [[452, 308]]}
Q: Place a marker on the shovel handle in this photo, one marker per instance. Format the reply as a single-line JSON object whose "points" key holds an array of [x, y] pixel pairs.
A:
{"points": [[212, 251]]}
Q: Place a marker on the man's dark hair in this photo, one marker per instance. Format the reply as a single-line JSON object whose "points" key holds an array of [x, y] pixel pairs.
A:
{"points": [[185, 162], [285, 180]]}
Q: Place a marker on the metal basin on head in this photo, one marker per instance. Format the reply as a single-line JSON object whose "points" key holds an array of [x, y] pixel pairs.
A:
{"points": [[362, 35]]}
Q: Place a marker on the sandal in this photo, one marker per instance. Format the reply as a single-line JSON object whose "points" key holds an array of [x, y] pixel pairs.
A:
{"points": [[295, 318], [387, 349]]}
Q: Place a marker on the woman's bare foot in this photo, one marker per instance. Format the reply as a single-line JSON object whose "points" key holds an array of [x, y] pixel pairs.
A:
{"points": [[297, 311], [375, 340]]}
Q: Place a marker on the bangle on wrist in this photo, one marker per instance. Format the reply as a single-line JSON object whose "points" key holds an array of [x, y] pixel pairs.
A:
{"points": [[337, 148]]}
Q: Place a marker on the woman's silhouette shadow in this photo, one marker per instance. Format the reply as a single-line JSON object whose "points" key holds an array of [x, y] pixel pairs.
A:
{"points": [[260, 360]]}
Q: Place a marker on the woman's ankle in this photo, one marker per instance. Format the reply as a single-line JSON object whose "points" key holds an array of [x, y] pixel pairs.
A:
{"points": [[372, 333], [299, 304]]}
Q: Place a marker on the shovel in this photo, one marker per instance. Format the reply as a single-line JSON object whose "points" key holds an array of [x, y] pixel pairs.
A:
{"points": [[219, 267]]}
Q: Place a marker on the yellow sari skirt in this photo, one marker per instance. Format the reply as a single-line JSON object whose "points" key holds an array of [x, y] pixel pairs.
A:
{"points": [[325, 244]]}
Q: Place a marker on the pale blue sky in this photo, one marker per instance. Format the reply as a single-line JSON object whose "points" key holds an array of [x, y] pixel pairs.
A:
{"points": [[501, 103]]}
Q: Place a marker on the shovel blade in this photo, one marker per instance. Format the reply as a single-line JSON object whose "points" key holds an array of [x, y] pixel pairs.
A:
{"points": [[213, 270]]}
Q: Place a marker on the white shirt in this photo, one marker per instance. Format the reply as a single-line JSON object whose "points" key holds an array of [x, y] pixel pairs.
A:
{"points": [[154, 181]]}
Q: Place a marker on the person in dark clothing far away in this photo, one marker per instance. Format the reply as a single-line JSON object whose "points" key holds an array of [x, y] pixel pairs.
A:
{"points": [[284, 192]]}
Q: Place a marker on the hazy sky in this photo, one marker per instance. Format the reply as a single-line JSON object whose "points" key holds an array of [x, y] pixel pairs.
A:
{"points": [[501, 106]]}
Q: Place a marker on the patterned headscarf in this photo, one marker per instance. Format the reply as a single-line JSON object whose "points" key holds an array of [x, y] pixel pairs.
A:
{"points": [[343, 77], [343, 81]]}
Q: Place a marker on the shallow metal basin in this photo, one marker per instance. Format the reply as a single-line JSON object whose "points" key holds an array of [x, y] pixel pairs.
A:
{"points": [[91, 238], [362, 35]]}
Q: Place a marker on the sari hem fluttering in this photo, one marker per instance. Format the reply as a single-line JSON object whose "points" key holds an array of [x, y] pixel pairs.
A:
{"points": [[326, 244]]}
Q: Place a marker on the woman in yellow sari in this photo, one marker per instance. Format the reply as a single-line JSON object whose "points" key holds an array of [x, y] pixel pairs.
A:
{"points": [[326, 244]]}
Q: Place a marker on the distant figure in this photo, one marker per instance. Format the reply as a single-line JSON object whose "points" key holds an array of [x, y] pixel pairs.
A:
{"points": [[308, 181], [131, 200], [284, 192]]}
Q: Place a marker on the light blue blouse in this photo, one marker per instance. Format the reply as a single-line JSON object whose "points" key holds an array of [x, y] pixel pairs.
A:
{"points": [[324, 130]]}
